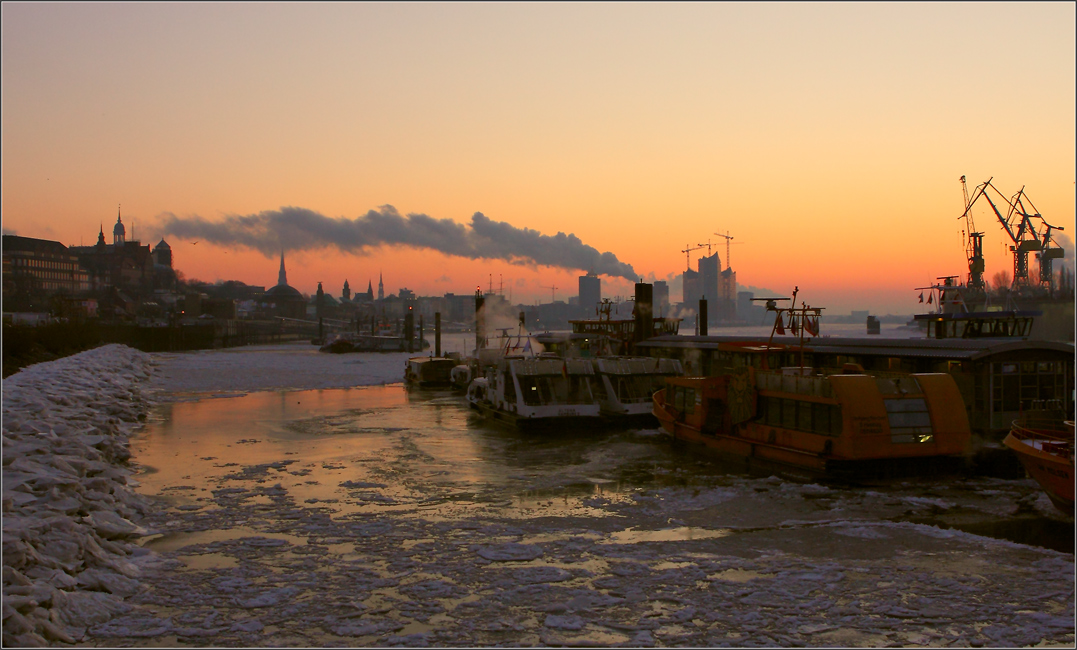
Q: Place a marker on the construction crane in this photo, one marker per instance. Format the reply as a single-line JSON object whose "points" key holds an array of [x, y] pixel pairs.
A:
{"points": [[687, 255], [552, 290], [728, 241]]}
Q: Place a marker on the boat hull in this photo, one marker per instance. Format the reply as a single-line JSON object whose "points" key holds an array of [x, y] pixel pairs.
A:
{"points": [[1053, 472], [550, 424], [746, 447]]}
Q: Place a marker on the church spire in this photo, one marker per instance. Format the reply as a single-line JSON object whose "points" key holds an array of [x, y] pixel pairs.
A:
{"points": [[381, 288], [282, 277]]}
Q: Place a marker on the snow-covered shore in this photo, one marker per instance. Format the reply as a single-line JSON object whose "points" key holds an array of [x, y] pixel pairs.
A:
{"points": [[67, 505]]}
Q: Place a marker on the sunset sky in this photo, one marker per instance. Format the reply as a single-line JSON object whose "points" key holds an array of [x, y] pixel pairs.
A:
{"points": [[827, 139]]}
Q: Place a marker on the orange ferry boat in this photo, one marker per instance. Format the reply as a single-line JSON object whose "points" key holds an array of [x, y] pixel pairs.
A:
{"points": [[1045, 448], [846, 425], [839, 426]]}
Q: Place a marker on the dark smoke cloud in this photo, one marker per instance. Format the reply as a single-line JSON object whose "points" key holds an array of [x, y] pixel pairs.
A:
{"points": [[300, 229]]}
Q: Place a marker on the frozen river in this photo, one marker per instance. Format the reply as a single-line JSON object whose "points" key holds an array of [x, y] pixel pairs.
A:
{"points": [[374, 516]]}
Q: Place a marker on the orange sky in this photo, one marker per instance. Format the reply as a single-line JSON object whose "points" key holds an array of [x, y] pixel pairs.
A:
{"points": [[826, 138]]}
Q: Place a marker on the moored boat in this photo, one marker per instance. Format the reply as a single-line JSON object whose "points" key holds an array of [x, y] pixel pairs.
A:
{"points": [[852, 426], [845, 424], [1045, 449], [533, 394], [429, 372], [624, 387]]}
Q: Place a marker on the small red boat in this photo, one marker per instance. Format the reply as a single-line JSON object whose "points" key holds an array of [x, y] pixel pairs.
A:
{"points": [[1045, 448]]}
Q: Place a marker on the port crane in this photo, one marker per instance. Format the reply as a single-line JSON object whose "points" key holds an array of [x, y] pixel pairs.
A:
{"points": [[1020, 225]]}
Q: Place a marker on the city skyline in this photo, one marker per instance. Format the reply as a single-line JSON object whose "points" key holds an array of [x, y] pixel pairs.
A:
{"points": [[827, 139]]}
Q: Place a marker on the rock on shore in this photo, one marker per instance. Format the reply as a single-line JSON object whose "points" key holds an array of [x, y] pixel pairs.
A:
{"points": [[67, 550]]}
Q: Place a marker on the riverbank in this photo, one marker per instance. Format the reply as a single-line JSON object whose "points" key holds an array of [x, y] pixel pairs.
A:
{"points": [[68, 556]]}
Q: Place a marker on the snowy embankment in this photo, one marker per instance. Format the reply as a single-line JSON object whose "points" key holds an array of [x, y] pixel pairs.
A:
{"points": [[66, 501]]}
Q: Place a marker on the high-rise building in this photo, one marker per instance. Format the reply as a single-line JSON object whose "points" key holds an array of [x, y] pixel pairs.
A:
{"points": [[590, 292], [708, 276], [661, 298], [691, 288]]}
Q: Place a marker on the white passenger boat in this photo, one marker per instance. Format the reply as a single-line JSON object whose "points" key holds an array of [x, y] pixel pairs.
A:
{"points": [[537, 393], [625, 386]]}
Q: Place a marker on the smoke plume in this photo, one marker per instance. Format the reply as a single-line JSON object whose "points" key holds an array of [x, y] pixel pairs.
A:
{"points": [[294, 228]]}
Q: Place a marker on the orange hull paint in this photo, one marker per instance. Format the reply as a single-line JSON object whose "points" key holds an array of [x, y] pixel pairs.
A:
{"points": [[1048, 458]]}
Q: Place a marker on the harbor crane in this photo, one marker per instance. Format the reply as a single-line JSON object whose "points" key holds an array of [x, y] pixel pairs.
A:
{"points": [[974, 248], [687, 255], [1021, 226]]}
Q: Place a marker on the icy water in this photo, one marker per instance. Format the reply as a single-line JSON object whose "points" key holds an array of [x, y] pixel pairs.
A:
{"points": [[378, 516]]}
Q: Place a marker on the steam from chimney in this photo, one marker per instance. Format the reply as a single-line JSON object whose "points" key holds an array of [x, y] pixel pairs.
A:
{"points": [[294, 228]]}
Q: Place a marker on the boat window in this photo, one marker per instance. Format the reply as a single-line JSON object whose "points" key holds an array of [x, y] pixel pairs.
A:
{"points": [[789, 414], [599, 387], [678, 398], [804, 416], [820, 418], [689, 401], [579, 390], [909, 420], [510, 389], [774, 411]]}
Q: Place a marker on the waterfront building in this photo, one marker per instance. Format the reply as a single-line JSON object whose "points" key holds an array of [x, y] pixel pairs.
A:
{"points": [[40, 266], [126, 264]]}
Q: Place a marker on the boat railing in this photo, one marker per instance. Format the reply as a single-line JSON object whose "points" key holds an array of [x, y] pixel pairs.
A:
{"points": [[801, 385], [1031, 427]]}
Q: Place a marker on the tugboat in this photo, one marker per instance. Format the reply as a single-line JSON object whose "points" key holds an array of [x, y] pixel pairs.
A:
{"points": [[1045, 448], [808, 425]]}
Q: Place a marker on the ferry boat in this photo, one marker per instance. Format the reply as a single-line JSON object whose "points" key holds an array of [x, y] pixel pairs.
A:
{"points": [[838, 426], [534, 394], [1045, 449], [625, 386], [845, 424]]}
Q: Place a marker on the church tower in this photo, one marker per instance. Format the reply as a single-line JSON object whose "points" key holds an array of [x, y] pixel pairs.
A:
{"points": [[347, 293], [119, 233], [282, 276], [381, 288]]}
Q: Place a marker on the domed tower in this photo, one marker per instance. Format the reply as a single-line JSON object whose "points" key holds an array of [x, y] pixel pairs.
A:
{"points": [[119, 233]]}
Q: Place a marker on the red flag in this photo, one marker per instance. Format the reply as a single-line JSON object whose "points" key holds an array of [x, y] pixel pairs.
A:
{"points": [[811, 327], [564, 369], [921, 296], [929, 297], [780, 325]]}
